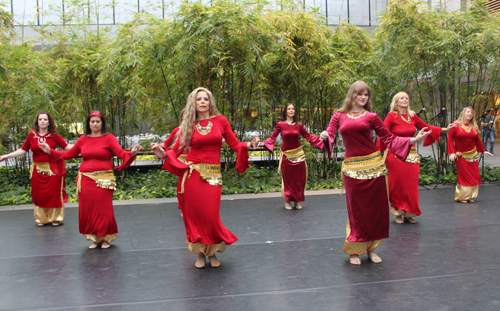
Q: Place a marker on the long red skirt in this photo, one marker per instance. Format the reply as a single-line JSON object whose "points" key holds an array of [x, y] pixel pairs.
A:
{"points": [[403, 184], [48, 191], [95, 210], [294, 180], [467, 172], [367, 208], [200, 207]]}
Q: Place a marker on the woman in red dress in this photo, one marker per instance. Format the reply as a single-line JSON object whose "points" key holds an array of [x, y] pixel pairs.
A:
{"points": [[96, 182], [202, 130], [463, 146], [364, 171], [403, 175], [47, 177], [292, 165]]}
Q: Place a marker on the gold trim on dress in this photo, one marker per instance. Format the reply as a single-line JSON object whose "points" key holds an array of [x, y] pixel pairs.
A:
{"points": [[365, 167], [41, 168], [466, 193], [466, 128], [400, 212], [103, 179], [358, 248], [413, 156], [407, 121], [296, 155], [209, 173], [205, 249], [350, 115], [97, 239], [469, 156], [182, 158]]}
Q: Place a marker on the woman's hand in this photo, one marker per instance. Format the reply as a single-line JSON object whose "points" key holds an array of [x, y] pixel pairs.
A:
{"points": [[158, 151], [254, 143], [45, 148], [324, 135], [421, 136], [453, 157], [136, 149], [261, 144], [3, 158], [488, 153], [450, 126]]}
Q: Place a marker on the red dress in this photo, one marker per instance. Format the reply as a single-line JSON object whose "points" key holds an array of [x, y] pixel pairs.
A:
{"points": [[465, 143], [366, 191], [205, 232], [293, 171], [171, 139], [47, 178], [403, 175], [95, 214]]}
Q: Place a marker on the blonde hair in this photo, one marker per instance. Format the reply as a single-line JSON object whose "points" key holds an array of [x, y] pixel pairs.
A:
{"points": [[394, 104], [190, 116], [354, 90], [461, 119]]}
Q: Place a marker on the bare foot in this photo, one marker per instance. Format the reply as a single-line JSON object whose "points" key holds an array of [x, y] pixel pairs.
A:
{"points": [[40, 225], [56, 223], [472, 201], [93, 245], [200, 263], [105, 245], [214, 262], [399, 220], [297, 205], [411, 220], [354, 260], [464, 201], [287, 205], [182, 215], [374, 257]]}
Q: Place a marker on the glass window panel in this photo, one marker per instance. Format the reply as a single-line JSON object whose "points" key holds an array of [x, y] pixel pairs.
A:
{"points": [[25, 12], [153, 7], [337, 11], [106, 12], [125, 10], [50, 11], [358, 12]]}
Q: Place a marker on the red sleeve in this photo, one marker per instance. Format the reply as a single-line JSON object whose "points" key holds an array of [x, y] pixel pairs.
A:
{"points": [[313, 140], [60, 141], [436, 131], [241, 149], [66, 155], [451, 140], [115, 147], [332, 129], [171, 138], [479, 144], [400, 146], [269, 143], [27, 143], [388, 123]]}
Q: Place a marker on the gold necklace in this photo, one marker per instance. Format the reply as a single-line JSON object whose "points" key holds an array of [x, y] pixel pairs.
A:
{"points": [[407, 121], [467, 128], [356, 116], [204, 130]]}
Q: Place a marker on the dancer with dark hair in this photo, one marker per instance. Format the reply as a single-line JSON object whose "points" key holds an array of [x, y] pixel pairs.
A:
{"points": [[201, 133], [96, 182], [463, 146], [47, 176], [292, 165], [364, 171], [403, 175]]}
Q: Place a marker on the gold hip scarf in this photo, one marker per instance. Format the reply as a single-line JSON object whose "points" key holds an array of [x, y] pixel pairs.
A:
{"points": [[182, 158], [209, 173], [41, 168], [103, 179], [469, 156], [293, 155], [365, 167], [413, 156]]}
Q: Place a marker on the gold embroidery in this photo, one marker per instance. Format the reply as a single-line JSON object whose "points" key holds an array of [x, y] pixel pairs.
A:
{"points": [[356, 116], [103, 179], [407, 121], [293, 155], [469, 156], [209, 173], [466, 128], [365, 167], [413, 156], [41, 168]]}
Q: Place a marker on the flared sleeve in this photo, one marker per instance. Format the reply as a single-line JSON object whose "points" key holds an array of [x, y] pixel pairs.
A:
{"points": [[269, 143], [242, 157], [126, 156], [66, 155], [173, 165], [316, 141], [451, 140], [171, 138], [400, 146], [332, 130], [388, 124], [479, 144], [435, 134]]}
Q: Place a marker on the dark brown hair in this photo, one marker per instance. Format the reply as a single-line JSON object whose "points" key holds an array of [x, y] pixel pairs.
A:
{"points": [[88, 131], [283, 113], [52, 126]]}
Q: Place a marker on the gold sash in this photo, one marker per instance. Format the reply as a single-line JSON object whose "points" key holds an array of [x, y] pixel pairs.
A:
{"points": [[293, 155], [41, 168], [413, 156], [365, 167], [469, 156], [103, 179], [182, 158], [209, 173]]}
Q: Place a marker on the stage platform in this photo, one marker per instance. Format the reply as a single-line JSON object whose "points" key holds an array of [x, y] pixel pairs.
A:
{"points": [[284, 260]]}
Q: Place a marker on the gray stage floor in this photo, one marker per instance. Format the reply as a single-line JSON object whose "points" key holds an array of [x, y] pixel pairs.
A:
{"points": [[284, 260]]}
